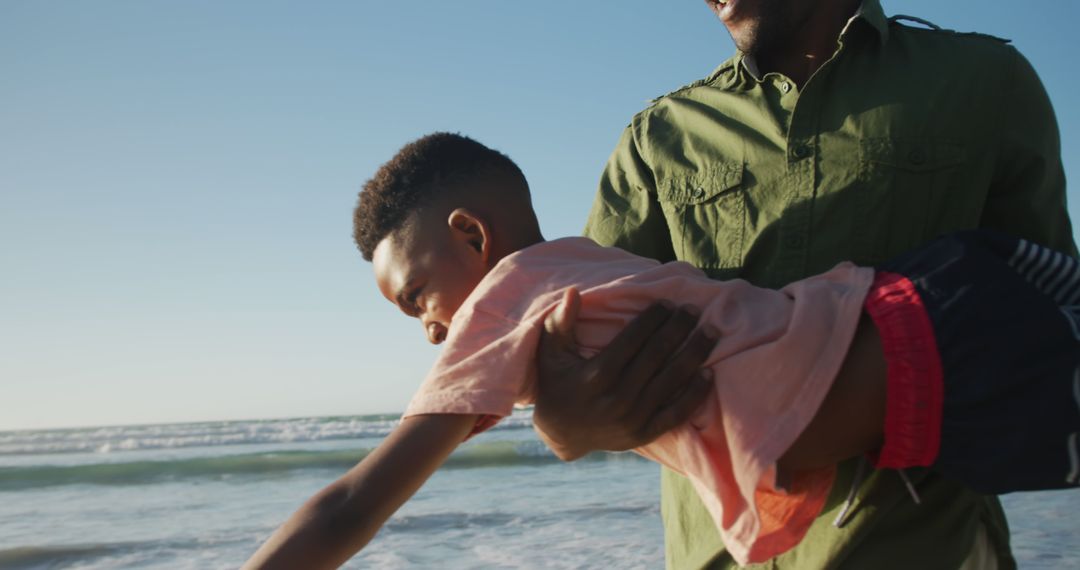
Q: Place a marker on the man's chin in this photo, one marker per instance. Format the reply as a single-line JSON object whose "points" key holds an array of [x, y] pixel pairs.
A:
{"points": [[747, 42], [755, 41]]}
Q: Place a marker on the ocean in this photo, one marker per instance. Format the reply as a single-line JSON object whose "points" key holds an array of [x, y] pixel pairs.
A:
{"points": [[205, 495]]}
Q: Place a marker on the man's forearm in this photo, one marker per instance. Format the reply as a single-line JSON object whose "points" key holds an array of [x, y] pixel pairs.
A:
{"points": [[635, 389]]}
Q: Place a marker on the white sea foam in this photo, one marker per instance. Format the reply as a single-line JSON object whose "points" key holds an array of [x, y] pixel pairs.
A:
{"points": [[507, 505], [112, 439]]}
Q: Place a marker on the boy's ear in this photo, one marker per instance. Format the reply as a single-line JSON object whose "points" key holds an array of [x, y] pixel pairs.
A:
{"points": [[474, 230]]}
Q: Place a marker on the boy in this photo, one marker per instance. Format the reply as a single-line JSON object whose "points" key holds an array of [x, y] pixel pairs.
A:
{"points": [[450, 230]]}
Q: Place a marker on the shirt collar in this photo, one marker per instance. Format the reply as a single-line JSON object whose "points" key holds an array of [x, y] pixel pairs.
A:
{"points": [[869, 10]]}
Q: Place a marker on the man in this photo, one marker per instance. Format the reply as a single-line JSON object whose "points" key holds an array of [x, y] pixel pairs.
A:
{"points": [[832, 134]]}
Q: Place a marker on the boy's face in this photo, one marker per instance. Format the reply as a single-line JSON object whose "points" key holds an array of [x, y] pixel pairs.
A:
{"points": [[428, 273]]}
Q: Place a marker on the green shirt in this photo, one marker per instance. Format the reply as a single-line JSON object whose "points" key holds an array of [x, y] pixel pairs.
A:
{"points": [[905, 134]]}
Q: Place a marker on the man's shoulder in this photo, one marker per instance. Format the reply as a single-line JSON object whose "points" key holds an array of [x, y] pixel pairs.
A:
{"points": [[723, 74], [656, 114], [966, 60], [947, 43]]}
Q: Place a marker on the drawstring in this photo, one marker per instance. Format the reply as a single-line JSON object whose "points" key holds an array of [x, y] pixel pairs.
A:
{"points": [[910, 487], [860, 475]]}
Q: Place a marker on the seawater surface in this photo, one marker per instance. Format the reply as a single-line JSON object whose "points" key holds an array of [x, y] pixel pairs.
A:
{"points": [[205, 495]]}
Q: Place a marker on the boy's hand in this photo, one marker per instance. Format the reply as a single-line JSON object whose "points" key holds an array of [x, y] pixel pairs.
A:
{"points": [[638, 387]]}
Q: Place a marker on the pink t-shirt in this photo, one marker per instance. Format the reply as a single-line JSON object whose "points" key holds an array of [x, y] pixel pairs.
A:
{"points": [[778, 354]]}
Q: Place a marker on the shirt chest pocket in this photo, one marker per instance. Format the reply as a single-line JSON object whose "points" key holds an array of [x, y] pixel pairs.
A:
{"points": [[908, 192], [706, 213]]}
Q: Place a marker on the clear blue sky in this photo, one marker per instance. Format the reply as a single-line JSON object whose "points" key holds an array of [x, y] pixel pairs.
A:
{"points": [[177, 178]]}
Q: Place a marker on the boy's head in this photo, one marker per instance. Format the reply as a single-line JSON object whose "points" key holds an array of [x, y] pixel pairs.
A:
{"points": [[436, 218]]}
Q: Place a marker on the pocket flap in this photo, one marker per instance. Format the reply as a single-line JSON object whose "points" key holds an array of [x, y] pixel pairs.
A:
{"points": [[913, 154], [701, 186]]}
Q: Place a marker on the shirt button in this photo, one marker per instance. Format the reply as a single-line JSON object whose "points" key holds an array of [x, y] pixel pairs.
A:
{"points": [[800, 151], [916, 156], [699, 193], [794, 241]]}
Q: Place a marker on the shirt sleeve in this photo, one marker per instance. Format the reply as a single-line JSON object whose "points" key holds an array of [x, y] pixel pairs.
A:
{"points": [[1027, 193], [486, 365], [625, 212]]}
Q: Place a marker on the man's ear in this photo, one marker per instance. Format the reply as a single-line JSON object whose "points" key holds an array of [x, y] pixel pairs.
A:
{"points": [[472, 229]]}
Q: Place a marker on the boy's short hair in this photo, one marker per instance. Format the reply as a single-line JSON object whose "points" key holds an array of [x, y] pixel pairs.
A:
{"points": [[421, 170]]}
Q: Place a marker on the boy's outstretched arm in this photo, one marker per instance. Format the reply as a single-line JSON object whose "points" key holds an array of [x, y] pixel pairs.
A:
{"points": [[339, 520]]}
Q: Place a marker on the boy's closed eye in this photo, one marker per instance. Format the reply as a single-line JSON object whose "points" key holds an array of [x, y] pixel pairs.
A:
{"points": [[411, 298], [408, 300]]}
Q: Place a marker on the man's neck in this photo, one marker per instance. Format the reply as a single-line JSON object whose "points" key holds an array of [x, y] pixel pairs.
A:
{"points": [[811, 45]]}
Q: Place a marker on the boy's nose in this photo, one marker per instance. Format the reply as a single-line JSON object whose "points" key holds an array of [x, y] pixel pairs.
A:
{"points": [[436, 333]]}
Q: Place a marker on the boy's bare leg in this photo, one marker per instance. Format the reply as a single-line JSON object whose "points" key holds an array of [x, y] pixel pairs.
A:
{"points": [[851, 419]]}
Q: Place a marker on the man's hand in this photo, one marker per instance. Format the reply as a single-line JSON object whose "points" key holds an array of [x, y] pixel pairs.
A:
{"points": [[647, 381]]}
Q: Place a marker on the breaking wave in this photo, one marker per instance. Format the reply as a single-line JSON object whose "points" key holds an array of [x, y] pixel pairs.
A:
{"points": [[208, 434], [488, 454]]}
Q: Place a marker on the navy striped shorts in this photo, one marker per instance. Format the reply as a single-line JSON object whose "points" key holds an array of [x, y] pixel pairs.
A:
{"points": [[981, 334]]}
